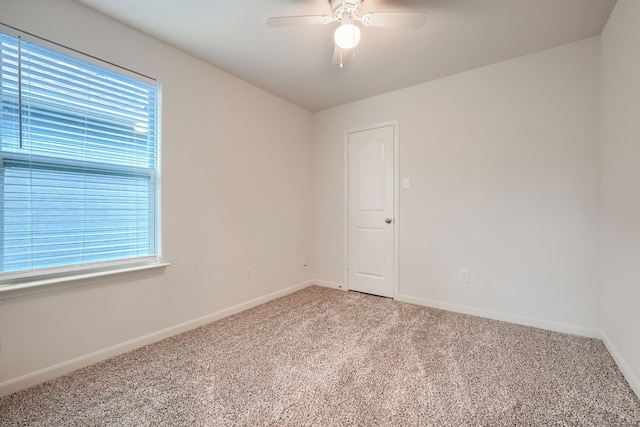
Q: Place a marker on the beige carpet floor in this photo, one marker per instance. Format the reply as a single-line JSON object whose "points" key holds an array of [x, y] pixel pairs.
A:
{"points": [[321, 357]]}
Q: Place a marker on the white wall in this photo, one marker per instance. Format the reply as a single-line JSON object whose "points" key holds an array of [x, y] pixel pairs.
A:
{"points": [[620, 187], [236, 192], [504, 168]]}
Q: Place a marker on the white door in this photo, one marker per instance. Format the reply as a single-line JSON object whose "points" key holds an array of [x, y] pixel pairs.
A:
{"points": [[370, 266]]}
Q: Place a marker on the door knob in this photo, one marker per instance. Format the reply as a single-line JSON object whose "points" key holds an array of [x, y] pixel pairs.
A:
{"points": [[388, 220]]}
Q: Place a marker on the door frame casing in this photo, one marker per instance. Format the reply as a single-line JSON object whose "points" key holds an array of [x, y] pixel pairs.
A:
{"points": [[396, 199]]}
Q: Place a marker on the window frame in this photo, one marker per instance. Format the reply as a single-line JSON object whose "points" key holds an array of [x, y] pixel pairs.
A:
{"points": [[13, 284]]}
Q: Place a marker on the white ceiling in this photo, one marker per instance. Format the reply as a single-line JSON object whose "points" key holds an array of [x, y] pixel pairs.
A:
{"points": [[295, 63]]}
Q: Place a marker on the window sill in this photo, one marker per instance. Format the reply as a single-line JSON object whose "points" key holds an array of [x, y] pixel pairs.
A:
{"points": [[40, 286]]}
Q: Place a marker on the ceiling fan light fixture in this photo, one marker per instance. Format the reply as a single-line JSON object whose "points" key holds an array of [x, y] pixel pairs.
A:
{"points": [[347, 35]]}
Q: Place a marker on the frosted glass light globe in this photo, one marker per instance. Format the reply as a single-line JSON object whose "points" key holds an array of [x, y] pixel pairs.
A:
{"points": [[347, 35]]}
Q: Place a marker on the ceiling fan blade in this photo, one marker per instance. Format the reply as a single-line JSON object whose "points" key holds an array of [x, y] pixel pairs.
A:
{"points": [[283, 21], [408, 20], [337, 57]]}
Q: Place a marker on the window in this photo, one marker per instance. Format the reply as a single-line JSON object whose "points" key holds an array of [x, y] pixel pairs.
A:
{"points": [[78, 162]]}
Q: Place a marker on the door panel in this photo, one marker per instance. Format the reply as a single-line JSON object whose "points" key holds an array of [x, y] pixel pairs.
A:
{"points": [[370, 260], [370, 207], [370, 164]]}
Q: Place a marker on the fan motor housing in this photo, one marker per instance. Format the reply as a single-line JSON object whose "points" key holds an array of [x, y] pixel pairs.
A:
{"points": [[345, 7]]}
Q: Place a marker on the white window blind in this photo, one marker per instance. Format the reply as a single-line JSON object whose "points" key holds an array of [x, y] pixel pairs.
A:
{"points": [[78, 162]]}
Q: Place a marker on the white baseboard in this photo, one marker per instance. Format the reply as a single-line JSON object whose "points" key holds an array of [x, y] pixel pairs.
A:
{"points": [[624, 367], [328, 284], [51, 372], [506, 317]]}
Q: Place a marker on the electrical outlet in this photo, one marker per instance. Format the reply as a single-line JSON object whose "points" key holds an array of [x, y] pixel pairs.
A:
{"points": [[248, 273], [464, 275], [305, 261]]}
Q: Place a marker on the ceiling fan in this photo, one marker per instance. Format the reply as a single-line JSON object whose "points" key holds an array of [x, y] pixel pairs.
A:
{"points": [[347, 13]]}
